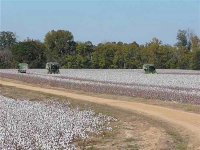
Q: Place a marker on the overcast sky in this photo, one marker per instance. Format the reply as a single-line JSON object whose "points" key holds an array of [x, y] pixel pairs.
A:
{"points": [[101, 20]]}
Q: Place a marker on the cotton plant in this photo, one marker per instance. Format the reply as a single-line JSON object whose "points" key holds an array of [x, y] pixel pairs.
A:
{"points": [[46, 125], [168, 84]]}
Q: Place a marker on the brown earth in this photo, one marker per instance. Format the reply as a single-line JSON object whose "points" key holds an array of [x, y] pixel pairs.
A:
{"points": [[185, 121]]}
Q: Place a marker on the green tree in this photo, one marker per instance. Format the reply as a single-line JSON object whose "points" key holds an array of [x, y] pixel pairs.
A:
{"points": [[59, 44], [6, 59], [195, 41], [172, 61], [184, 40], [70, 62], [151, 52], [132, 56], [184, 60], [84, 54], [104, 55], [195, 60], [7, 40], [119, 59], [95, 59], [31, 52]]}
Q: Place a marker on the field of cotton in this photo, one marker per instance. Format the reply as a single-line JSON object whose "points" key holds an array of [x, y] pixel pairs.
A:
{"points": [[172, 85], [47, 125]]}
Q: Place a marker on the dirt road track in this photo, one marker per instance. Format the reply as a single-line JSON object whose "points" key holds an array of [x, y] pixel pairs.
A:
{"points": [[190, 122]]}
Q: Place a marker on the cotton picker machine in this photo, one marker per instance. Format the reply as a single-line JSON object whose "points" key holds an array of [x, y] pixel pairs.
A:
{"points": [[53, 67], [149, 68], [22, 67]]}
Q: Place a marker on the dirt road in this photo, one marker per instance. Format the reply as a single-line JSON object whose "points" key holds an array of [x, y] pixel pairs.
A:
{"points": [[190, 122]]}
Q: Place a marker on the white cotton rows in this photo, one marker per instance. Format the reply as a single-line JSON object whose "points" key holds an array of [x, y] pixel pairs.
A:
{"points": [[164, 78], [168, 84], [37, 125]]}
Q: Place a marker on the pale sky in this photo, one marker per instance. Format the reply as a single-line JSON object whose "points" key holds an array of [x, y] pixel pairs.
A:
{"points": [[101, 20]]}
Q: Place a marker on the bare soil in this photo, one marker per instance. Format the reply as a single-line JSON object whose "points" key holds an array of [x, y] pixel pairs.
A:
{"points": [[134, 133]]}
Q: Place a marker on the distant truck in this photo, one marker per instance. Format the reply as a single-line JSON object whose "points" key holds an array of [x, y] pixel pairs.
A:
{"points": [[53, 67], [149, 68], [22, 67]]}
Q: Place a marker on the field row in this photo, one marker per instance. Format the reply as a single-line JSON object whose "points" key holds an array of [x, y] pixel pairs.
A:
{"points": [[174, 85]]}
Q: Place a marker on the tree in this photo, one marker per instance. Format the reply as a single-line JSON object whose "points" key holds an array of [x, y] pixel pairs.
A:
{"points": [[195, 63], [155, 41], [195, 41], [104, 55], [84, 53], [173, 59], [5, 58], [7, 39], [119, 59], [132, 56], [31, 52], [95, 59], [184, 40], [151, 52], [70, 62], [59, 44]]}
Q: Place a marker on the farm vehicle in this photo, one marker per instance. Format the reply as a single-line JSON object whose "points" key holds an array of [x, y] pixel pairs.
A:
{"points": [[53, 67], [149, 68], [22, 67]]}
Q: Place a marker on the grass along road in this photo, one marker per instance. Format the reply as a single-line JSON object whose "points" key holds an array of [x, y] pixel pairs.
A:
{"points": [[190, 122]]}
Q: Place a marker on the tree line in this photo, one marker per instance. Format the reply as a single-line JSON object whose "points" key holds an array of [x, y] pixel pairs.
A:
{"points": [[59, 46]]}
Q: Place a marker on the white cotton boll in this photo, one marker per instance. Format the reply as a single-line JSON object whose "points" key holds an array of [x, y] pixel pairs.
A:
{"points": [[51, 125]]}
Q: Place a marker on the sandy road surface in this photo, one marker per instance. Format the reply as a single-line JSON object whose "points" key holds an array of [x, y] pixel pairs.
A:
{"points": [[188, 121]]}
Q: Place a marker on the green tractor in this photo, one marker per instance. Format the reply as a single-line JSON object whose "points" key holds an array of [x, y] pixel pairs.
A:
{"points": [[149, 68], [53, 67], [22, 67]]}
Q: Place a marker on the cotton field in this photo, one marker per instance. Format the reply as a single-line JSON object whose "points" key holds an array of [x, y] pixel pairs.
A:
{"points": [[46, 125], [173, 85]]}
